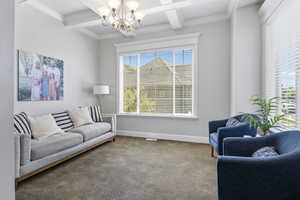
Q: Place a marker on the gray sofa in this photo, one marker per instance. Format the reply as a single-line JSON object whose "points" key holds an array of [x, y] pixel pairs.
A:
{"points": [[33, 156]]}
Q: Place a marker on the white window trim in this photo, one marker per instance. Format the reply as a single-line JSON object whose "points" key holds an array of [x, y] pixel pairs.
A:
{"points": [[179, 41]]}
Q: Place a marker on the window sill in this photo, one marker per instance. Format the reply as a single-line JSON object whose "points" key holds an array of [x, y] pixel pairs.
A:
{"points": [[159, 116]]}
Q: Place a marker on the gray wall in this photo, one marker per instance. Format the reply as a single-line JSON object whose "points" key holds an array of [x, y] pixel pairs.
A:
{"points": [[36, 32], [247, 56], [7, 168], [214, 84]]}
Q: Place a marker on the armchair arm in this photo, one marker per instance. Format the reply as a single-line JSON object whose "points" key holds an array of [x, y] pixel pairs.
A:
{"points": [[111, 118], [235, 131], [259, 178], [244, 147], [214, 125]]}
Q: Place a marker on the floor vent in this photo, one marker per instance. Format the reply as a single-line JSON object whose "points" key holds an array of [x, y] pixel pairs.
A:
{"points": [[151, 139]]}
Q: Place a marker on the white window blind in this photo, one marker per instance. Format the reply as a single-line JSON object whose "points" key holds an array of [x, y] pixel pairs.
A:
{"points": [[285, 56], [157, 82]]}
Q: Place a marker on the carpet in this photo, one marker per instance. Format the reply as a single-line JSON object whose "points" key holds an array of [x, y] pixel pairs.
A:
{"points": [[129, 169]]}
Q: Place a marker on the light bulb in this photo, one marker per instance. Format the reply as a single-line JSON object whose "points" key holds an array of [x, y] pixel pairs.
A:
{"points": [[139, 16], [104, 12], [114, 4], [132, 5]]}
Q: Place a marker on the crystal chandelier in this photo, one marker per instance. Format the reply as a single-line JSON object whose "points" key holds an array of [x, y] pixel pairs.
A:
{"points": [[121, 17]]}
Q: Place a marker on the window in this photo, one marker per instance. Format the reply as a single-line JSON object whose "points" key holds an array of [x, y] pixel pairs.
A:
{"points": [[284, 52], [158, 82]]}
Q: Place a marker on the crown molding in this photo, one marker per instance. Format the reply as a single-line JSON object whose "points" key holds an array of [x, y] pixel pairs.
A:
{"points": [[177, 40], [42, 8], [269, 8]]}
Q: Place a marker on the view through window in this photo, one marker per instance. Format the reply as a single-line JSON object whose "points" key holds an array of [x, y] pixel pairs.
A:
{"points": [[286, 43], [158, 82]]}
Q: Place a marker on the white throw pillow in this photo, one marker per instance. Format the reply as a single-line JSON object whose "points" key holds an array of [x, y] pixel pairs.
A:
{"points": [[43, 126], [80, 117]]}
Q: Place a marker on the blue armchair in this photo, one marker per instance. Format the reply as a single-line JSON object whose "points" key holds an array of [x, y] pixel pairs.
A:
{"points": [[218, 132], [243, 177]]}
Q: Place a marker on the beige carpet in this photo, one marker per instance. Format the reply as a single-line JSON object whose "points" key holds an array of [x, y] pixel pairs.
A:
{"points": [[129, 169]]}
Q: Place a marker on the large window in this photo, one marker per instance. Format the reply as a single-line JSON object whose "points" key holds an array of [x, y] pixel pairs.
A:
{"points": [[283, 48], [158, 82]]}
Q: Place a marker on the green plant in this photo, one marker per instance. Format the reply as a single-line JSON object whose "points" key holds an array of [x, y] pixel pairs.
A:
{"points": [[130, 101], [266, 117]]}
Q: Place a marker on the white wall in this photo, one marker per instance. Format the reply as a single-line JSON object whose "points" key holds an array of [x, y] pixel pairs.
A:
{"points": [[7, 168], [246, 58], [36, 32], [213, 76]]}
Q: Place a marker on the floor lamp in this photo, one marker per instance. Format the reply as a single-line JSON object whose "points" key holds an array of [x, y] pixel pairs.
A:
{"points": [[100, 90]]}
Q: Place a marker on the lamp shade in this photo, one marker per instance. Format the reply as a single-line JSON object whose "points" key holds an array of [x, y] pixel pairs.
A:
{"points": [[101, 89]]}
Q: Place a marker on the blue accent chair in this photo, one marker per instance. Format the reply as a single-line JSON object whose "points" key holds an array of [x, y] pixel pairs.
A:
{"points": [[218, 131], [241, 177]]}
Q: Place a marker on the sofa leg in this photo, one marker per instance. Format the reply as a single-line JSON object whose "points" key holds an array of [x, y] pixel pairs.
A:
{"points": [[114, 139], [212, 152], [16, 184]]}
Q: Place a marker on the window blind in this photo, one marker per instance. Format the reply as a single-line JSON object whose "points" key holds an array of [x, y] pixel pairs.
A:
{"points": [[285, 56], [158, 82]]}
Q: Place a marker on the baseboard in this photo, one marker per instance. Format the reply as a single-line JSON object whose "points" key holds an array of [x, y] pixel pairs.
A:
{"points": [[164, 136]]}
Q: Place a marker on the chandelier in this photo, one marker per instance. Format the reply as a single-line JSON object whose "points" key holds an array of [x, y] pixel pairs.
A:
{"points": [[121, 17]]}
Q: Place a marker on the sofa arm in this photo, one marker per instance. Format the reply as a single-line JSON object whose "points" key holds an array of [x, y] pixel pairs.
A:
{"points": [[17, 154], [112, 119], [25, 149], [244, 147], [259, 178], [214, 125]]}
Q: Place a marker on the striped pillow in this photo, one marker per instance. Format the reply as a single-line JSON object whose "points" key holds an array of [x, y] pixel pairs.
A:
{"points": [[63, 120], [21, 123], [96, 114]]}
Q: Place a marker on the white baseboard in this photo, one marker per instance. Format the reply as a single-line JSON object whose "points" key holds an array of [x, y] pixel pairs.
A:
{"points": [[164, 136]]}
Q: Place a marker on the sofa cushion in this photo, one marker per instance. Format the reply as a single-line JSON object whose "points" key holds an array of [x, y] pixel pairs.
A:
{"points": [[80, 117], [43, 126], [63, 120], [96, 114], [91, 131], [21, 123], [54, 144]]}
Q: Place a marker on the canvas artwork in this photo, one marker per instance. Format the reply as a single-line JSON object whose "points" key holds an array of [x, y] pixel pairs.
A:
{"points": [[40, 78]]}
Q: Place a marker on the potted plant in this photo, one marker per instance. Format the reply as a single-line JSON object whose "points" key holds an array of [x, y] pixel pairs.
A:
{"points": [[267, 118]]}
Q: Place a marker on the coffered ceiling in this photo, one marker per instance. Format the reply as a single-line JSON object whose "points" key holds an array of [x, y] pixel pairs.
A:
{"points": [[160, 14]]}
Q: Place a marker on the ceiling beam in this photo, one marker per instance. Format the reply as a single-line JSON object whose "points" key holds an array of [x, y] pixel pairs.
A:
{"points": [[92, 19], [81, 19], [166, 27], [55, 15], [42, 8], [175, 20]]}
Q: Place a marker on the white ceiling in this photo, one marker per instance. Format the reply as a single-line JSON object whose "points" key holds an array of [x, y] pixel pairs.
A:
{"points": [[79, 14]]}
